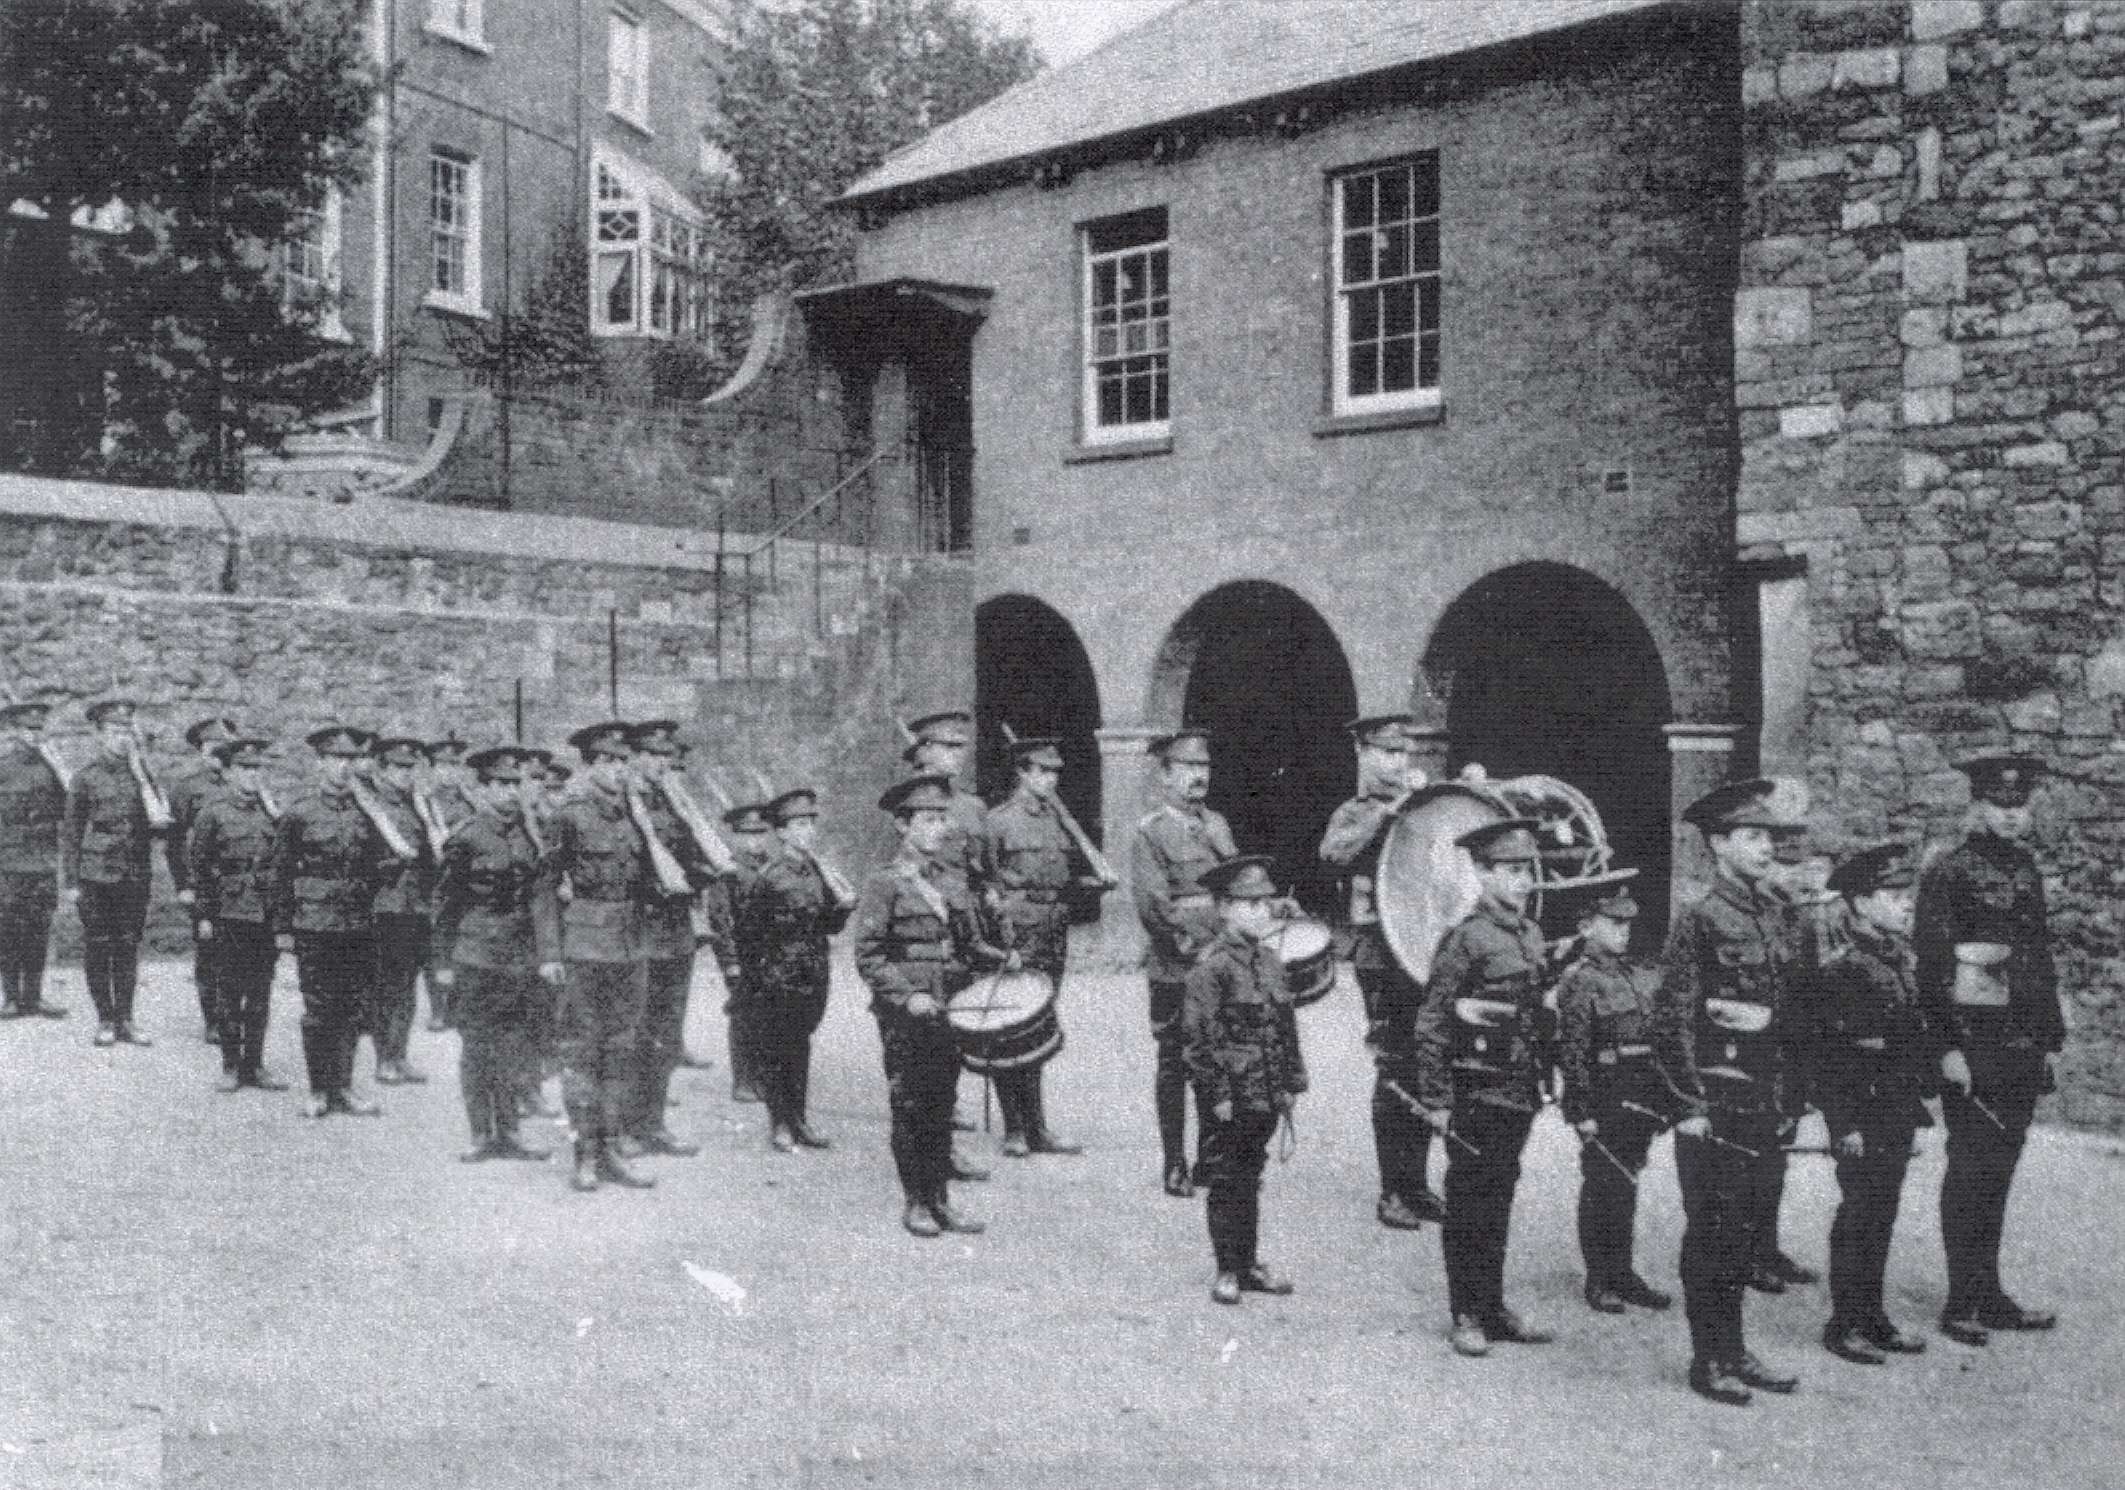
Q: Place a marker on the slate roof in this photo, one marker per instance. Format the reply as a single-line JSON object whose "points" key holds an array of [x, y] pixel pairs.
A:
{"points": [[1203, 56]]}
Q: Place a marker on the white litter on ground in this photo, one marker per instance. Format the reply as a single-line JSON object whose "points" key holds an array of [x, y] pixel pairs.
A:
{"points": [[728, 1291]]}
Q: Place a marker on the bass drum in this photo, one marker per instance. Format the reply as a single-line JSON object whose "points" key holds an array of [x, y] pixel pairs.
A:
{"points": [[1426, 883]]}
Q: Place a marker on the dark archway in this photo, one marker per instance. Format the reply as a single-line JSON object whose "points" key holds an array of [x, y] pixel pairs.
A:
{"points": [[1031, 673], [1257, 666], [1548, 671]]}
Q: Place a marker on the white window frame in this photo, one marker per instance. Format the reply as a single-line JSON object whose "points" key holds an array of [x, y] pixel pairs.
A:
{"points": [[461, 21], [1113, 337], [317, 297], [464, 298], [627, 67], [1403, 238], [646, 236]]}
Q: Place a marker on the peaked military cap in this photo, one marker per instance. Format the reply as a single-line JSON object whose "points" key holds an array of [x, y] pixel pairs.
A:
{"points": [[1037, 750], [1243, 878], [944, 727], [105, 710], [210, 731], [398, 750], [1605, 894], [1738, 804], [1183, 747], [1510, 840], [610, 739], [338, 739], [1888, 866], [1381, 731], [798, 801], [241, 750], [499, 762], [449, 748], [27, 714], [748, 817], [655, 737], [917, 794], [2003, 779]]}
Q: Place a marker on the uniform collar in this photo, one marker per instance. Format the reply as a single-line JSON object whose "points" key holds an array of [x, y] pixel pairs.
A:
{"points": [[1029, 800], [1745, 897], [1501, 914], [1602, 957]]}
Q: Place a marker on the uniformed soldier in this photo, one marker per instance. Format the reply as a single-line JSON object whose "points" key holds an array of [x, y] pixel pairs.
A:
{"points": [[1028, 860], [1990, 988], [1478, 1077], [1873, 1061], [402, 908], [792, 907], [449, 791], [33, 794], [742, 946], [1240, 1039], [546, 782], [1799, 877], [1351, 847], [105, 868], [190, 791], [229, 867], [918, 940], [1612, 1098], [598, 851], [939, 744], [327, 857], [1175, 843], [497, 947], [1720, 1031], [667, 951]]}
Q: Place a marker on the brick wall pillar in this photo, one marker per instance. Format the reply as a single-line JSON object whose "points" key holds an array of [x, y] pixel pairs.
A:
{"points": [[1127, 791], [1700, 757]]}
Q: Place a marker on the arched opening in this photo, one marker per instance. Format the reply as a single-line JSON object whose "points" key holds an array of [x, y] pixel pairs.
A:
{"points": [[1257, 666], [1031, 673], [1545, 670]]}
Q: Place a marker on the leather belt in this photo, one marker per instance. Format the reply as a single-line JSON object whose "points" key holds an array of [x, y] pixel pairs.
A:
{"points": [[1632, 1050], [921, 952]]}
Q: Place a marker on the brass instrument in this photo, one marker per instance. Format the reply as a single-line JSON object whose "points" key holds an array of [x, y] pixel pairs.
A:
{"points": [[713, 849], [433, 827], [51, 758], [153, 801], [671, 877], [380, 818], [266, 803], [1102, 870], [837, 884]]}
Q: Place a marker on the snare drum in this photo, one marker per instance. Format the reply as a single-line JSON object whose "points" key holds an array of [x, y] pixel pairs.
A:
{"points": [[1005, 1022], [1308, 951]]}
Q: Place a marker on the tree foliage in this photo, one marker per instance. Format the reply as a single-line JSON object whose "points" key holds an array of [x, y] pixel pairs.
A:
{"points": [[814, 94], [218, 129]]}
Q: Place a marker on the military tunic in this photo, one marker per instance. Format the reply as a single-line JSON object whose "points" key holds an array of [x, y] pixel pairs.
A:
{"points": [[1989, 986], [189, 794], [668, 968], [1027, 860], [32, 811], [1174, 844], [1605, 1050], [404, 891], [1240, 1038], [790, 913], [326, 857], [229, 866], [1482, 1066], [105, 853], [735, 939]]}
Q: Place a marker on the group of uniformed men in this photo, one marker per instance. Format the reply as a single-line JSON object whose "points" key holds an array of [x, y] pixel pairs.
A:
{"points": [[560, 920]]}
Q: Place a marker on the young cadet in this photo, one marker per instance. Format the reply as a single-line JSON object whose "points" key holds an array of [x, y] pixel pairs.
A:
{"points": [[918, 940], [190, 791], [1873, 1068], [1175, 843], [1241, 1042], [1612, 1098], [1479, 1074], [33, 791], [796, 905], [1723, 1018], [104, 869], [1986, 975], [940, 744], [497, 948], [1351, 846], [450, 791], [229, 850], [744, 942], [402, 910]]}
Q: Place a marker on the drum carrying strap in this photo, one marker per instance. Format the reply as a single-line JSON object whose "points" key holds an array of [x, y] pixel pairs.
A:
{"points": [[930, 897]]}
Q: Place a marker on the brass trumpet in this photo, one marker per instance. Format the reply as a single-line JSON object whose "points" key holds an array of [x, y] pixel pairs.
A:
{"points": [[153, 801]]}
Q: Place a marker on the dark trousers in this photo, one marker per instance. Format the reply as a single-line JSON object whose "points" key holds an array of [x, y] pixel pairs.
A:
{"points": [[1608, 1194], [27, 902], [1401, 1139], [1982, 1156], [1019, 1092], [1169, 1084], [780, 1037], [438, 998], [239, 962], [600, 1020], [921, 1078], [496, 1011], [112, 919], [335, 970], [666, 982], [1767, 1190], [205, 959], [741, 1018], [1230, 1165], [1479, 1205], [1869, 1190], [1720, 1213], [401, 952]]}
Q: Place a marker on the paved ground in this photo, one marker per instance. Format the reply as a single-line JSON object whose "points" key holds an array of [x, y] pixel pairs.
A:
{"points": [[209, 1291]]}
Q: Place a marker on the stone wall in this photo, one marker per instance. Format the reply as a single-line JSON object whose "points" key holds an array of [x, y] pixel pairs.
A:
{"points": [[1932, 416]]}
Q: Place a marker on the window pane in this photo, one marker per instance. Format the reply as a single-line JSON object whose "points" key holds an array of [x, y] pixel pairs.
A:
{"points": [[1103, 283], [1110, 399], [1398, 304], [1428, 304], [1357, 201], [1428, 360], [1394, 196], [1398, 357], [1394, 251], [616, 288], [1425, 248], [1357, 258], [1425, 171], [1363, 378], [1364, 315], [1158, 274]]}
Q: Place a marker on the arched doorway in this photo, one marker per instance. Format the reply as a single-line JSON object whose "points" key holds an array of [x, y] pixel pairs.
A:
{"points": [[1031, 673], [1546, 670], [1257, 666]]}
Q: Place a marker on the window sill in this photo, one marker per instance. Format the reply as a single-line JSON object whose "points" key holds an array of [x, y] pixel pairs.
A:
{"points": [[464, 39], [452, 305], [1082, 454], [1362, 424], [631, 122]]}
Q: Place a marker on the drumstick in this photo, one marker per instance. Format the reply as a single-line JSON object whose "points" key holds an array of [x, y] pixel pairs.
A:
{"points": [[1988, 1112], [1589, 1141]]}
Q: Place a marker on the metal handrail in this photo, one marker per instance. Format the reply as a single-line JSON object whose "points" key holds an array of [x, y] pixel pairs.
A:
{"points": [[783, 529]]}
